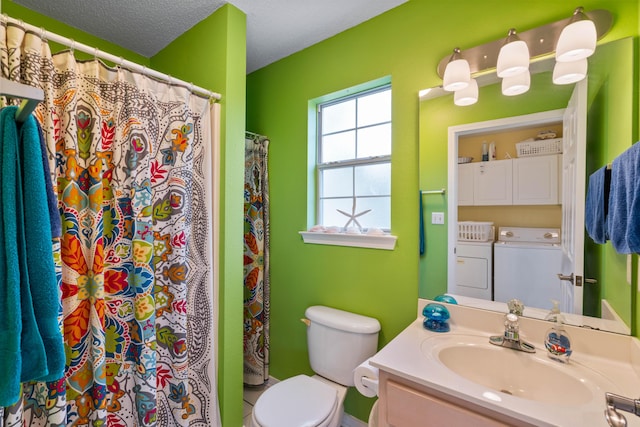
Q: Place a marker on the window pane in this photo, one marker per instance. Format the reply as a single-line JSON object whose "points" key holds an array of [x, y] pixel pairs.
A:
{"points": [[340, 146], [330, 216], [337, 182], [374, 141], [380, 215], [373, 180], [375, 108], [339, 117]]}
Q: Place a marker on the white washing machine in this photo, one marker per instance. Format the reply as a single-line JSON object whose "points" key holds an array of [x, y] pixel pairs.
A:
{"points": [[526, 264], [474, 269]]}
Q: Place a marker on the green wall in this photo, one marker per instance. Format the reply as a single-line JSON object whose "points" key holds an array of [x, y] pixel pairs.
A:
{"points": [[406, 44], [211, 55]]}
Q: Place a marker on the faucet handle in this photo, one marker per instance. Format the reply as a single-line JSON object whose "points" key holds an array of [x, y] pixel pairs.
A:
{"points": [[516, 306], [511, 327]]}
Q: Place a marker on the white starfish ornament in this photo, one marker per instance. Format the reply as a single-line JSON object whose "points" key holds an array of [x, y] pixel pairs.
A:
{"points": [[353, 215]]}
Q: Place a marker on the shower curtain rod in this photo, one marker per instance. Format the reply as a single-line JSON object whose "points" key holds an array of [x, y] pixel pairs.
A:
{"points": [[73, 45]]}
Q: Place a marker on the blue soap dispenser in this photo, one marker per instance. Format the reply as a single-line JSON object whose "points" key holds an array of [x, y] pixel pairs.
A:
{"points": [[556, 340], [436, 317]]}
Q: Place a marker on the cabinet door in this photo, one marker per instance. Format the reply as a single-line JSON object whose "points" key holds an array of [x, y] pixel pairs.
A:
{"points": [[408, 407], [535, 180], [465, 184], [493, 183]]}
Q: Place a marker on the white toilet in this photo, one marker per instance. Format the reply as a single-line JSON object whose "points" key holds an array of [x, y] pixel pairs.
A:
{"points": [[338, 342]]}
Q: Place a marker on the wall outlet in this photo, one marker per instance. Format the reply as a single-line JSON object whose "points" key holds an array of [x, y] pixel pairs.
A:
{"points": [[437, 217]]}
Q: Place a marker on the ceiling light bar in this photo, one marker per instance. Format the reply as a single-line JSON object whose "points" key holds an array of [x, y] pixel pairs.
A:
{"points": [[541, 42]]}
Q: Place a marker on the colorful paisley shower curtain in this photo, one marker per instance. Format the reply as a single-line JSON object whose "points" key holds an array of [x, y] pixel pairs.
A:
{"points": [[130, 158], [256, 260]]}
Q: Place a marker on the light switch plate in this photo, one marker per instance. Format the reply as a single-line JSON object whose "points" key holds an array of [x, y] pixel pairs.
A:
{"points": [[437, 217]]}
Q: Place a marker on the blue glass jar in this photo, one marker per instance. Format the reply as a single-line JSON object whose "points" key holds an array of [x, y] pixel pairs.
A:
{"points": [[436, 317]]}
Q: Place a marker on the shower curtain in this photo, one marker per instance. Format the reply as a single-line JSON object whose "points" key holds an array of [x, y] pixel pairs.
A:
{"points": [[256, 260], [130, 159]]}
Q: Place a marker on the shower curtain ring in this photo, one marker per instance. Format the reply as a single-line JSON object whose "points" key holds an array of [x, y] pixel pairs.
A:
{"points": [[72, 48], [4, 18], [43, 34], [191, 87]]}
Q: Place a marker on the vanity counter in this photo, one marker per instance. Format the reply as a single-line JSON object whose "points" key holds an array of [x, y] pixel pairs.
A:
{"points": [[613, 358]]}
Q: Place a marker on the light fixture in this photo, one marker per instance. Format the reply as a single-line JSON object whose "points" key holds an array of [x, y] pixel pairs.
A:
{"points": [[457, 74], [513, 58], [569, 40], [516, 85], [565, 73], [578, 39], [468, 95]]}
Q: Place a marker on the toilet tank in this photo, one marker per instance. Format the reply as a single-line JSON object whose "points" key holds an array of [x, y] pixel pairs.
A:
{"points": [[339, 341]]}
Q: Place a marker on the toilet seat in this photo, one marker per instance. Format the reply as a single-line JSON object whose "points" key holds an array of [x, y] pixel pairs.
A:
{"points": [[297, 401]]}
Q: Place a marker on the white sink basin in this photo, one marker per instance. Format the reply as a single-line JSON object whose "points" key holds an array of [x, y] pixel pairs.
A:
{"points": [[511, 372]]}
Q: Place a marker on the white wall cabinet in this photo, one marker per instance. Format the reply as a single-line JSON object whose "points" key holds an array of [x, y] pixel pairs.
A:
{"points": [[535, 180], [521, 181], [466, 174], [493, 183]]}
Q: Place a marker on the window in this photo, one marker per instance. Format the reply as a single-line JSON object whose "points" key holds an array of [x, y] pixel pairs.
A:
{"points": [[354, 160]]}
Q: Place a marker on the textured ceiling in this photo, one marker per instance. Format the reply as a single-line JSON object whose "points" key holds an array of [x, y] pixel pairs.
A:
{"points": [[275, 28]]}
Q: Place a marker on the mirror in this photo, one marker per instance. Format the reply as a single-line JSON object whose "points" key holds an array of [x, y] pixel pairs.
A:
{"points": [[606, 304]]}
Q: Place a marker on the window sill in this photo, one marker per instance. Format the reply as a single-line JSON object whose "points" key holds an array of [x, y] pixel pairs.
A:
{"points": [[385, 241]]}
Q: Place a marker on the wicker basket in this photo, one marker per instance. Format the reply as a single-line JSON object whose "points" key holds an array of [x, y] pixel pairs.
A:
{"points": [[475, 231], [539, 148]]}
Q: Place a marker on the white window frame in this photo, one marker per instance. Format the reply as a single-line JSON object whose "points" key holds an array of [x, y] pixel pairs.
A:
{"points": [[364, 161]]}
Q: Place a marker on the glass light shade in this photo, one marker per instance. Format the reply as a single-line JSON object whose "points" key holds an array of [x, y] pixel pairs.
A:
{"points": [[577, 41], [517, 84], [565, 73], [457, 75], [468, 95], [513, 59]]}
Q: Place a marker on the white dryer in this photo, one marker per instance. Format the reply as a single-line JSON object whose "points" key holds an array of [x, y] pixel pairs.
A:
{"points": [[526, 264], [474, 269]]}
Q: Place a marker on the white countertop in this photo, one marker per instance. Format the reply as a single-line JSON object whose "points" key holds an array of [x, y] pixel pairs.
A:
{"points": [[612, 357]]}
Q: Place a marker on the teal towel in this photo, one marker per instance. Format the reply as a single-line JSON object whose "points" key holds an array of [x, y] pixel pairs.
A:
{"points": [[10, 317], [39, 253], [52, 198]]}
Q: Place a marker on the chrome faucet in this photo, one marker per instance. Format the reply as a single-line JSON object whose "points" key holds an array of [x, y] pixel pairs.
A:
{"points": [[511, 337], [615, 402]]}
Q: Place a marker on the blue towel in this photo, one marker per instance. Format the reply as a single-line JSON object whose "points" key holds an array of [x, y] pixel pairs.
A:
{"points": [[39, 251], [52, 198], [10, 318], [623, 220], [597, 205], [31, 346]]}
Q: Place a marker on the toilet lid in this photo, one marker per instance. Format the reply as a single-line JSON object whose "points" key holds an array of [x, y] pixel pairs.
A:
{"points": [[300, 401]]}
